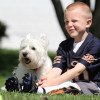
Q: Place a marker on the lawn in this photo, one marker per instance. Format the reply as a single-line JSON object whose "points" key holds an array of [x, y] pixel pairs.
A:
{"points": [[28, 96], [8, 60]]}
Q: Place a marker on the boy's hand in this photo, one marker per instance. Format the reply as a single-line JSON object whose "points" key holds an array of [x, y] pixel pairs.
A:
{"points": [[41, 81], [89, 58]]}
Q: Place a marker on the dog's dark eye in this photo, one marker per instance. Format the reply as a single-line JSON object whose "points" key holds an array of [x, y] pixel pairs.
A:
{"points": [[33, 48]]}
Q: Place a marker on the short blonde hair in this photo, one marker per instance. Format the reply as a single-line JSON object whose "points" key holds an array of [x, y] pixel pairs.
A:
{"points": [[85, 8]]}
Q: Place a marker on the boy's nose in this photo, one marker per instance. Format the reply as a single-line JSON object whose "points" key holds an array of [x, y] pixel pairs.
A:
{"points": [[70, 24]]}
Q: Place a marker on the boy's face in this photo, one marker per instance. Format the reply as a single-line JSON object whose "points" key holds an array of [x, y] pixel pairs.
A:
{"points": [[76, 22]]}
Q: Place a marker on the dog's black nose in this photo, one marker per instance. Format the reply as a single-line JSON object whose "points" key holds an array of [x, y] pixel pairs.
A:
{"points": [[25, 54]]}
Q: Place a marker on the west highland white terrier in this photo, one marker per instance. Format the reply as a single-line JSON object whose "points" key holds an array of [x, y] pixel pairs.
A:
{"points": [[33, 57], [33, 60]]}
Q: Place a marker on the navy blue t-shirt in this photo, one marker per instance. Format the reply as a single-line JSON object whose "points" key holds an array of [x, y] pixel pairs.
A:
{"points": [[69, 59]]}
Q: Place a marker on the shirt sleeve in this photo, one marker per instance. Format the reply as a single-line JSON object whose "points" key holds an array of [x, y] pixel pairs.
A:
{"points": [[63, 62], [95, 52]]}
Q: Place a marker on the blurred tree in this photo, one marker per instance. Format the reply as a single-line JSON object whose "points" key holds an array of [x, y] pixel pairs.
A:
{"points": [[60, 15], [2, 31], [85, 1], [96, 17], [95, 28]]}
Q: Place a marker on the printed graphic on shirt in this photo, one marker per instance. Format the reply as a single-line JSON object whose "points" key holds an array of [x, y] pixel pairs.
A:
{"points": [[57, 59], [83, 76]]}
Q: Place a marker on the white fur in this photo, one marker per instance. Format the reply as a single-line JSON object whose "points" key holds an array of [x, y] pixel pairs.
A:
{"points": [[37, 60]]}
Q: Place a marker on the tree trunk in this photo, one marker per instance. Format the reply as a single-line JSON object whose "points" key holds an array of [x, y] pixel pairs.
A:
{"points": [[95, 29], [60, 15], [85, 1]]}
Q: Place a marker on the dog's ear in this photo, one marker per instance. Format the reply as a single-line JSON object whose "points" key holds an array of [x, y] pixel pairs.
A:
{"points": [[28, 36], [44, 41]]}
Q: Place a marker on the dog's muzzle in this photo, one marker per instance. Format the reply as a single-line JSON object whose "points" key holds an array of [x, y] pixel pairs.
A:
{"points": [[27, 60]]}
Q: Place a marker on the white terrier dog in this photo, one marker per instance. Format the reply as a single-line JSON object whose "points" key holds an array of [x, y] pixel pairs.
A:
{"points": [[33, 58]]}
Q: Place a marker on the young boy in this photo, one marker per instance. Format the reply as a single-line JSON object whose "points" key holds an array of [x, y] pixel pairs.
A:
{"points": [[78, 58]]}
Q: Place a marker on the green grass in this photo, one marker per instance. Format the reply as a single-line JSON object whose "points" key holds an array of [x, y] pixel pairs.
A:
{"points": [[2, 80], [28, 96], [8, 60]]}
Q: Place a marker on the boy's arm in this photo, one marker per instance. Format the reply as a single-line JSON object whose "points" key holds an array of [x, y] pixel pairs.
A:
{"points": [[54, 72], [68, 75]]}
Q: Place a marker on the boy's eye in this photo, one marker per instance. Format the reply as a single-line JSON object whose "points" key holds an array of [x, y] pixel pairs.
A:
{"points": [[66, 22], [74, 21]]}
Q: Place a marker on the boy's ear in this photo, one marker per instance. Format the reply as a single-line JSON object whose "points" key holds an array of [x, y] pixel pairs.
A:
{"points": [[89, 23]]}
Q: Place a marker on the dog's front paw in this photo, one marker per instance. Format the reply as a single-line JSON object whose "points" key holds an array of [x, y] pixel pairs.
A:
{"points": [[12, 84]]}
